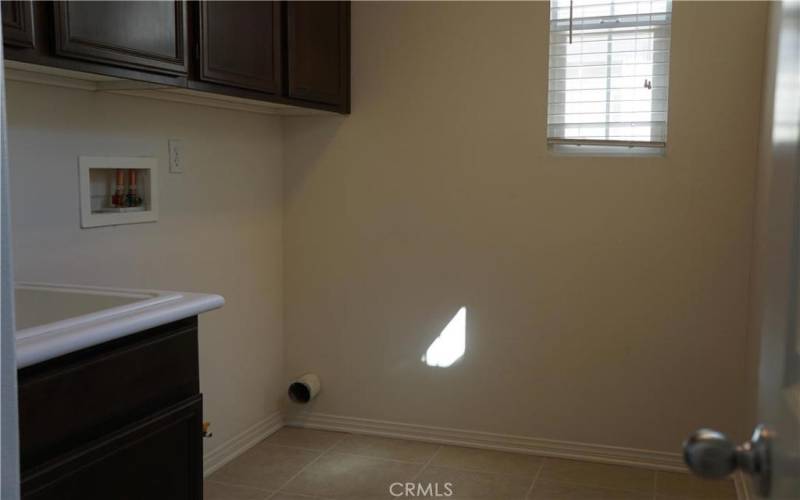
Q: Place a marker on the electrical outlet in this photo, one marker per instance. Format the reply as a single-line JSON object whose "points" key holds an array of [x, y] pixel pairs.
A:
{"points": [[177, 159]]}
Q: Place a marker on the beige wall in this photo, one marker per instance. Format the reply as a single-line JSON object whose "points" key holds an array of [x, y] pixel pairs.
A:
{"points": [[607, 297], [219, 228]]}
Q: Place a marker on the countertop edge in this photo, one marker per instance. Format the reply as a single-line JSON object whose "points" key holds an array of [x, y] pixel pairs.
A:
{"points": [[44, 347]]}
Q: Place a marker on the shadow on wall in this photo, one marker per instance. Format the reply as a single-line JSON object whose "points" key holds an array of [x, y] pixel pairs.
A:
{"points": [[309, 140]]}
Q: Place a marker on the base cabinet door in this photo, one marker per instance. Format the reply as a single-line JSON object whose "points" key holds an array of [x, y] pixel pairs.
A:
{"points": [[159, 457], [149, 36]]}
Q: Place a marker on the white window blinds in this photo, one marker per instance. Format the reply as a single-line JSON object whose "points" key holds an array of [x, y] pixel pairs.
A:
{"points": [[609, 72]]}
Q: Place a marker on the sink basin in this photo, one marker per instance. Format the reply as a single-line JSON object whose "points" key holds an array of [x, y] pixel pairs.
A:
{"points": [[37, 305]]}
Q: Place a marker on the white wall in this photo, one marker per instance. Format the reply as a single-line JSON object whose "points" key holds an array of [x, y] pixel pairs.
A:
{"points": [[219, 229], [607, 297]]}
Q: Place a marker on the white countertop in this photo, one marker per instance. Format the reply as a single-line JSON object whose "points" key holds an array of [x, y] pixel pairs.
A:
{"points": [[59, 319]]}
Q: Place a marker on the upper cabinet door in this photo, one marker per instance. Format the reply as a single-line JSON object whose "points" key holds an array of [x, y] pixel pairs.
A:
{"points": [[18, 23], [318, 52], [149, 36], [240, 44]]}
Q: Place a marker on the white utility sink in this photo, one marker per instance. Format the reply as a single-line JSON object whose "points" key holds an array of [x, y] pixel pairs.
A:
{"points": [[53, 320]]}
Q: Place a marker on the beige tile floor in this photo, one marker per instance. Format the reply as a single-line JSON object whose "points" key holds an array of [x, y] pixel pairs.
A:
{"points": [[297, 464]]}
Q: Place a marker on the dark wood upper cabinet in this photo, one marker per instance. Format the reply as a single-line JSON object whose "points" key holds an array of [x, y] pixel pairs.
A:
{"points": [[147, 36], [18, 23], [318, 52], [240, 44], [293, 53]]}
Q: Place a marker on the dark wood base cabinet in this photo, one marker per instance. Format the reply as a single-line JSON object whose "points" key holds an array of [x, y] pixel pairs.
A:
{"points": [[121, 420]]}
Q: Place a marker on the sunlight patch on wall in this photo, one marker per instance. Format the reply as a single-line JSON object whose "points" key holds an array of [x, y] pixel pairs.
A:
{"points": [[450, 345]]}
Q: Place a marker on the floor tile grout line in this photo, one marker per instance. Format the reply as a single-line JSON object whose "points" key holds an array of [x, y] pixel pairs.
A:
{"points": [[284, 485], [426, 464], [535, 478], [620, 489], [304, 448], [331, 449], [336, 443], [301, 495], [484, 471], [306, 466], [239, 485], [394, 460], [655, 485]]}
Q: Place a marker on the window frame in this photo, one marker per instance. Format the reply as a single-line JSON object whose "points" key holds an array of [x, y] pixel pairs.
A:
{"points": [[607, 147]]}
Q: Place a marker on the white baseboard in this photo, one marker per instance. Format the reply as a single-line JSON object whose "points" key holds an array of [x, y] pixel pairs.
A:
{"points": [[240, 443], [503, 442]]}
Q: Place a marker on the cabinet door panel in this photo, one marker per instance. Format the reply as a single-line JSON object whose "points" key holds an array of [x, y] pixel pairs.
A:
{"points": [[240, 44], [318, 51], [159, 457], [97, 390], [18, 23], [139, 35]]}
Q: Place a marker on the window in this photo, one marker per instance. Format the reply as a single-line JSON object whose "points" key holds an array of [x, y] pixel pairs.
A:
{"points": [[609, 72]]}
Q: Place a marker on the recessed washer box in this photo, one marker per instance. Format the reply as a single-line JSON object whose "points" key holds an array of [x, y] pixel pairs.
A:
{"points": [[100, 190]]}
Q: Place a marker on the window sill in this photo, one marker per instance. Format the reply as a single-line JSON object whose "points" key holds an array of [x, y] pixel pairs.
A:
{"points": [[605, 150]]}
